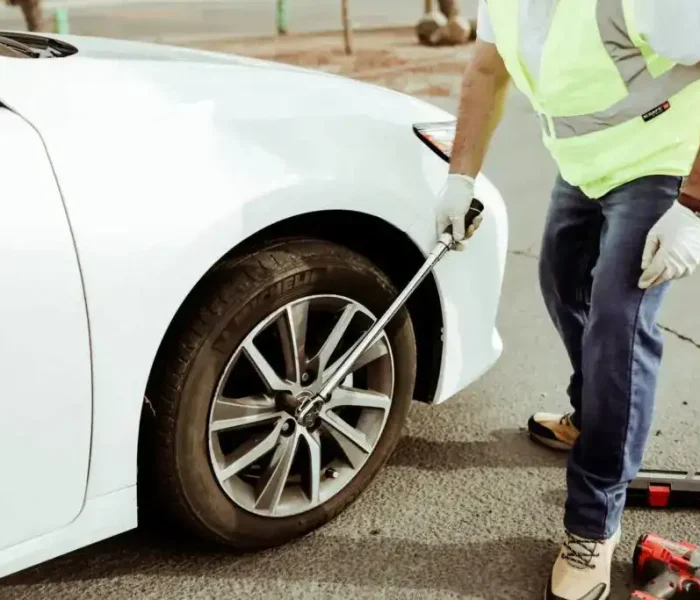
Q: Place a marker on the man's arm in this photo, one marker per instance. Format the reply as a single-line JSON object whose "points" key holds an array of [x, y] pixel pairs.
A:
{"points": [[672, 248], [484, 90], [484, 87]]}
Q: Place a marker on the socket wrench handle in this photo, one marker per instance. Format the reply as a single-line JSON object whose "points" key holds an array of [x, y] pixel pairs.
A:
{"points": [[475, 209]]}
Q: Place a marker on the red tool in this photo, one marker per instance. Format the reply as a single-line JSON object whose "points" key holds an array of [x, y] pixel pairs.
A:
{"points": [[666, 569]]}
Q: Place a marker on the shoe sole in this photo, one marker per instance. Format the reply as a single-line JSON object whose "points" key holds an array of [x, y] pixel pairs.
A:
{"points": [[546, 594], [555, 444]]}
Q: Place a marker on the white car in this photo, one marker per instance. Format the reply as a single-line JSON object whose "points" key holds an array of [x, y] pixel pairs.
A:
{"points": [[189, 243]]}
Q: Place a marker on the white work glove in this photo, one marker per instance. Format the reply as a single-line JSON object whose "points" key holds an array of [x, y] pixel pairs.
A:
{"points": [[454, 201], [672, 249]]}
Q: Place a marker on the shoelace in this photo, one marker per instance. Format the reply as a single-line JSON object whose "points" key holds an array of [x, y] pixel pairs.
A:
{"points": [[580, 551], [566, 419]]}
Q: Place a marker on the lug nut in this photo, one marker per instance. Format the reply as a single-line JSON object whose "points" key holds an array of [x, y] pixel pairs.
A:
{"points": [[331, 474], [288, 426], [304, 377]]}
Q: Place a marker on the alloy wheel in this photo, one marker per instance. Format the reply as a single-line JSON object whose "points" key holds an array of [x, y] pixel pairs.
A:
{"points": [[263, 459]]}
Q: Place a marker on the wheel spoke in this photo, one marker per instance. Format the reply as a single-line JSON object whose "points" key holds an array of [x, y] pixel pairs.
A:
{"points": [[378, 349], [273, 382], [250, 451], [272, 482], [343, 396], [293, 326], [352, 442], [331, 344], [313, 441], [242, 412]]}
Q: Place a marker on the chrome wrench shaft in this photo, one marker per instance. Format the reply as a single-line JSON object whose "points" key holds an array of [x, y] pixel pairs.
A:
{"points": [[308, 411]]}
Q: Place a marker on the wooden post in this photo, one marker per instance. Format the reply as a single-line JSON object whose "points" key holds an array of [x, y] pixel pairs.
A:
{"points": [[347, 28]]}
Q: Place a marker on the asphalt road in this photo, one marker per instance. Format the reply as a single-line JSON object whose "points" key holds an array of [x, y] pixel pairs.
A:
{"points": [[468, 507]]}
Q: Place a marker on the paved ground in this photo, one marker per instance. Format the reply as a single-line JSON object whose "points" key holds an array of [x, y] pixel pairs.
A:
{"points": [[468, 507]]}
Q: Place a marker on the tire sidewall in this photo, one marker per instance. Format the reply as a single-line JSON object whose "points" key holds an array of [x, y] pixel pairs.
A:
{"points": [[319, 273]]}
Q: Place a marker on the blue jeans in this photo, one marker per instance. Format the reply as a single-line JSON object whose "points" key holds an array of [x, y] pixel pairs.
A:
{"points": [[589, 268]]}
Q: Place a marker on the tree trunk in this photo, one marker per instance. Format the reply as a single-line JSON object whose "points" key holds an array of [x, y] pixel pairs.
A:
{"points": [[347, 28], [448, 8]]}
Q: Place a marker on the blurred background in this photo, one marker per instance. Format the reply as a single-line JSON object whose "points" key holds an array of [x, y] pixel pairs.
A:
{"points": [[188, 20]]}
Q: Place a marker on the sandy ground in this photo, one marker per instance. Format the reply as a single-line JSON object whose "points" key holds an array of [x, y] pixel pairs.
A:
{"points": [[468, 507]]}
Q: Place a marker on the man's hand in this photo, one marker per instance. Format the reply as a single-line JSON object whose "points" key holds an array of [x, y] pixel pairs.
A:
{"points": [[672, 249], [453, 204]]}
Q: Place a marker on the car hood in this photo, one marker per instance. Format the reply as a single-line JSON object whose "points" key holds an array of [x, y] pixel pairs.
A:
{"points": [[136, 82]]}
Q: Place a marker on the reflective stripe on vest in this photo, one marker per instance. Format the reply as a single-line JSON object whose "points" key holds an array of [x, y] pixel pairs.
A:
{"points": [[611, 109], [647, 94]]}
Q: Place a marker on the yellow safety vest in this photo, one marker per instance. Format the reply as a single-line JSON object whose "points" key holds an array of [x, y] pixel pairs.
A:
{"points": [[611, 109]]}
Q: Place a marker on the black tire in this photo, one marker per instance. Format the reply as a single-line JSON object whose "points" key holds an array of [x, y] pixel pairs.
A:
{"points": [[235, 297]]}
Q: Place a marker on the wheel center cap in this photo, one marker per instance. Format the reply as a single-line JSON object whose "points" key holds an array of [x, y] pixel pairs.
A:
{"points": [[290, 401]]}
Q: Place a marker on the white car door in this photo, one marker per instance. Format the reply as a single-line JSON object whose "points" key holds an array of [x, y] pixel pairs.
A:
{"points": [[45, 378]]}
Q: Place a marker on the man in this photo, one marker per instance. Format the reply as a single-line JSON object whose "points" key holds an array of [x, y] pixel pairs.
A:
{"points": [[616, 87]]}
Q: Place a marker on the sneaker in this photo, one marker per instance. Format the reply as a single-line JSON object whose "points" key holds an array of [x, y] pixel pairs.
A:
{"points": [[555, 431], [582, 569]]}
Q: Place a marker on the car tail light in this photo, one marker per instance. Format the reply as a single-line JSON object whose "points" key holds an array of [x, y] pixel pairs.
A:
{"points": [[439, 137]]}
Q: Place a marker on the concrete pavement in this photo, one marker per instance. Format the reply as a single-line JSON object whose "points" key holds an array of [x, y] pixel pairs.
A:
{"points": [[468, 507]]}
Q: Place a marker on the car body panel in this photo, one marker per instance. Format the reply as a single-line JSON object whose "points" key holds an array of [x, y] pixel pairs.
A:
{"points": [[101, 518], [45, 385], [166, 164]]}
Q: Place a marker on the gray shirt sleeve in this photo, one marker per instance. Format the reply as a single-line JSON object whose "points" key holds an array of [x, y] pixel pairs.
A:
{"points": [[484, 31], [671, 28]]}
